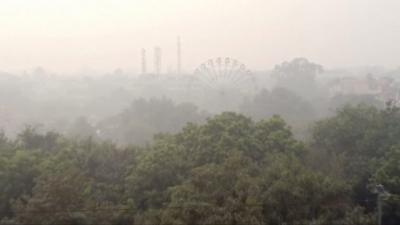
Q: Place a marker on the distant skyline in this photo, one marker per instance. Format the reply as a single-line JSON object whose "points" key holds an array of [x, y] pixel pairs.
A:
{"points": [[66, 36]]}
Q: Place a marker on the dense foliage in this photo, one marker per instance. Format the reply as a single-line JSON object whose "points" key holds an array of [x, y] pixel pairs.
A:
{"points": [[138, 123], [229, 170]]}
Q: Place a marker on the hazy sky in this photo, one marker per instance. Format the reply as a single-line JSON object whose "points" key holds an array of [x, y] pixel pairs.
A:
{"points": [[68, 35]]}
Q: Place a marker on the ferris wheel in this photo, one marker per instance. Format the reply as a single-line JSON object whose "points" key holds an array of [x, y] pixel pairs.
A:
{"points": [[224, 73]]}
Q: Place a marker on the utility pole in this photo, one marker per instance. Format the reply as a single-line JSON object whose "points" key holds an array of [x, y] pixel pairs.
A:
{"points": [[380, 190], [379, 209]]}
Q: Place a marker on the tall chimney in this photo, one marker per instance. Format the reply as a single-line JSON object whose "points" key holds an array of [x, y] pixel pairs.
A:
{"points": [[144, 63], [157, 60], [179, 56]]}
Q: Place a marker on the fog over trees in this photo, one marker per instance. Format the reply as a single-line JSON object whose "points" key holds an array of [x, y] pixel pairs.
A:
{"points": [[299, 90], [299, 144], [199, 112]]}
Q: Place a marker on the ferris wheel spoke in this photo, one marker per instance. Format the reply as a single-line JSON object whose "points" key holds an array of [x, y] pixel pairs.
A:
{"points": [[246, 75], [222, 73], [238, 72]]}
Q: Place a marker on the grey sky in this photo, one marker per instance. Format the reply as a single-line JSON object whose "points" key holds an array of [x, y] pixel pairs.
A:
{"points": [[66, 35]]}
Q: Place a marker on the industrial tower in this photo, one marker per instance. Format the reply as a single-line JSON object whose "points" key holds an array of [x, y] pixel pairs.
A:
{"points": [[144, 63], [179, 56], [157, 60]]}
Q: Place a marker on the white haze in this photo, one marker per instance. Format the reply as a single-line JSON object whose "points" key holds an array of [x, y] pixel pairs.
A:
{"points": [[68, 35]]}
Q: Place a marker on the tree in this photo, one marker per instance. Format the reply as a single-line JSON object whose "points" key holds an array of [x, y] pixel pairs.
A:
{"points": [[298, 112], [81, 128], [18, 171], [226, 193], [31, 139], [388, 174], [299, 76], [339, 101], [146, 118], [229, 170], [363, 136], [213, 173], [359, 132], [292, 193], [80, 184]]}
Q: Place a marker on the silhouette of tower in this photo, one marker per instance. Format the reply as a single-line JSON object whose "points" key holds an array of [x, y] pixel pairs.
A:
{"points": [[179, 56], [144, 63], [157, 60]]}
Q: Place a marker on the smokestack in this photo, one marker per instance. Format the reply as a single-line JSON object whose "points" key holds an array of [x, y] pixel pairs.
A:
{"points": [[179, 56], [157, 60], [144, 63]]}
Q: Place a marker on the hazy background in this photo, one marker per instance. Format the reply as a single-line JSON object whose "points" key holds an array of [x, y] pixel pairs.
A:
{"points": [[286, 112], [71, 35]]}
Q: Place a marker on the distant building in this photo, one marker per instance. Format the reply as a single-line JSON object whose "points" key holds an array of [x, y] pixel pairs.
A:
{"points": [[383, 88]]}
